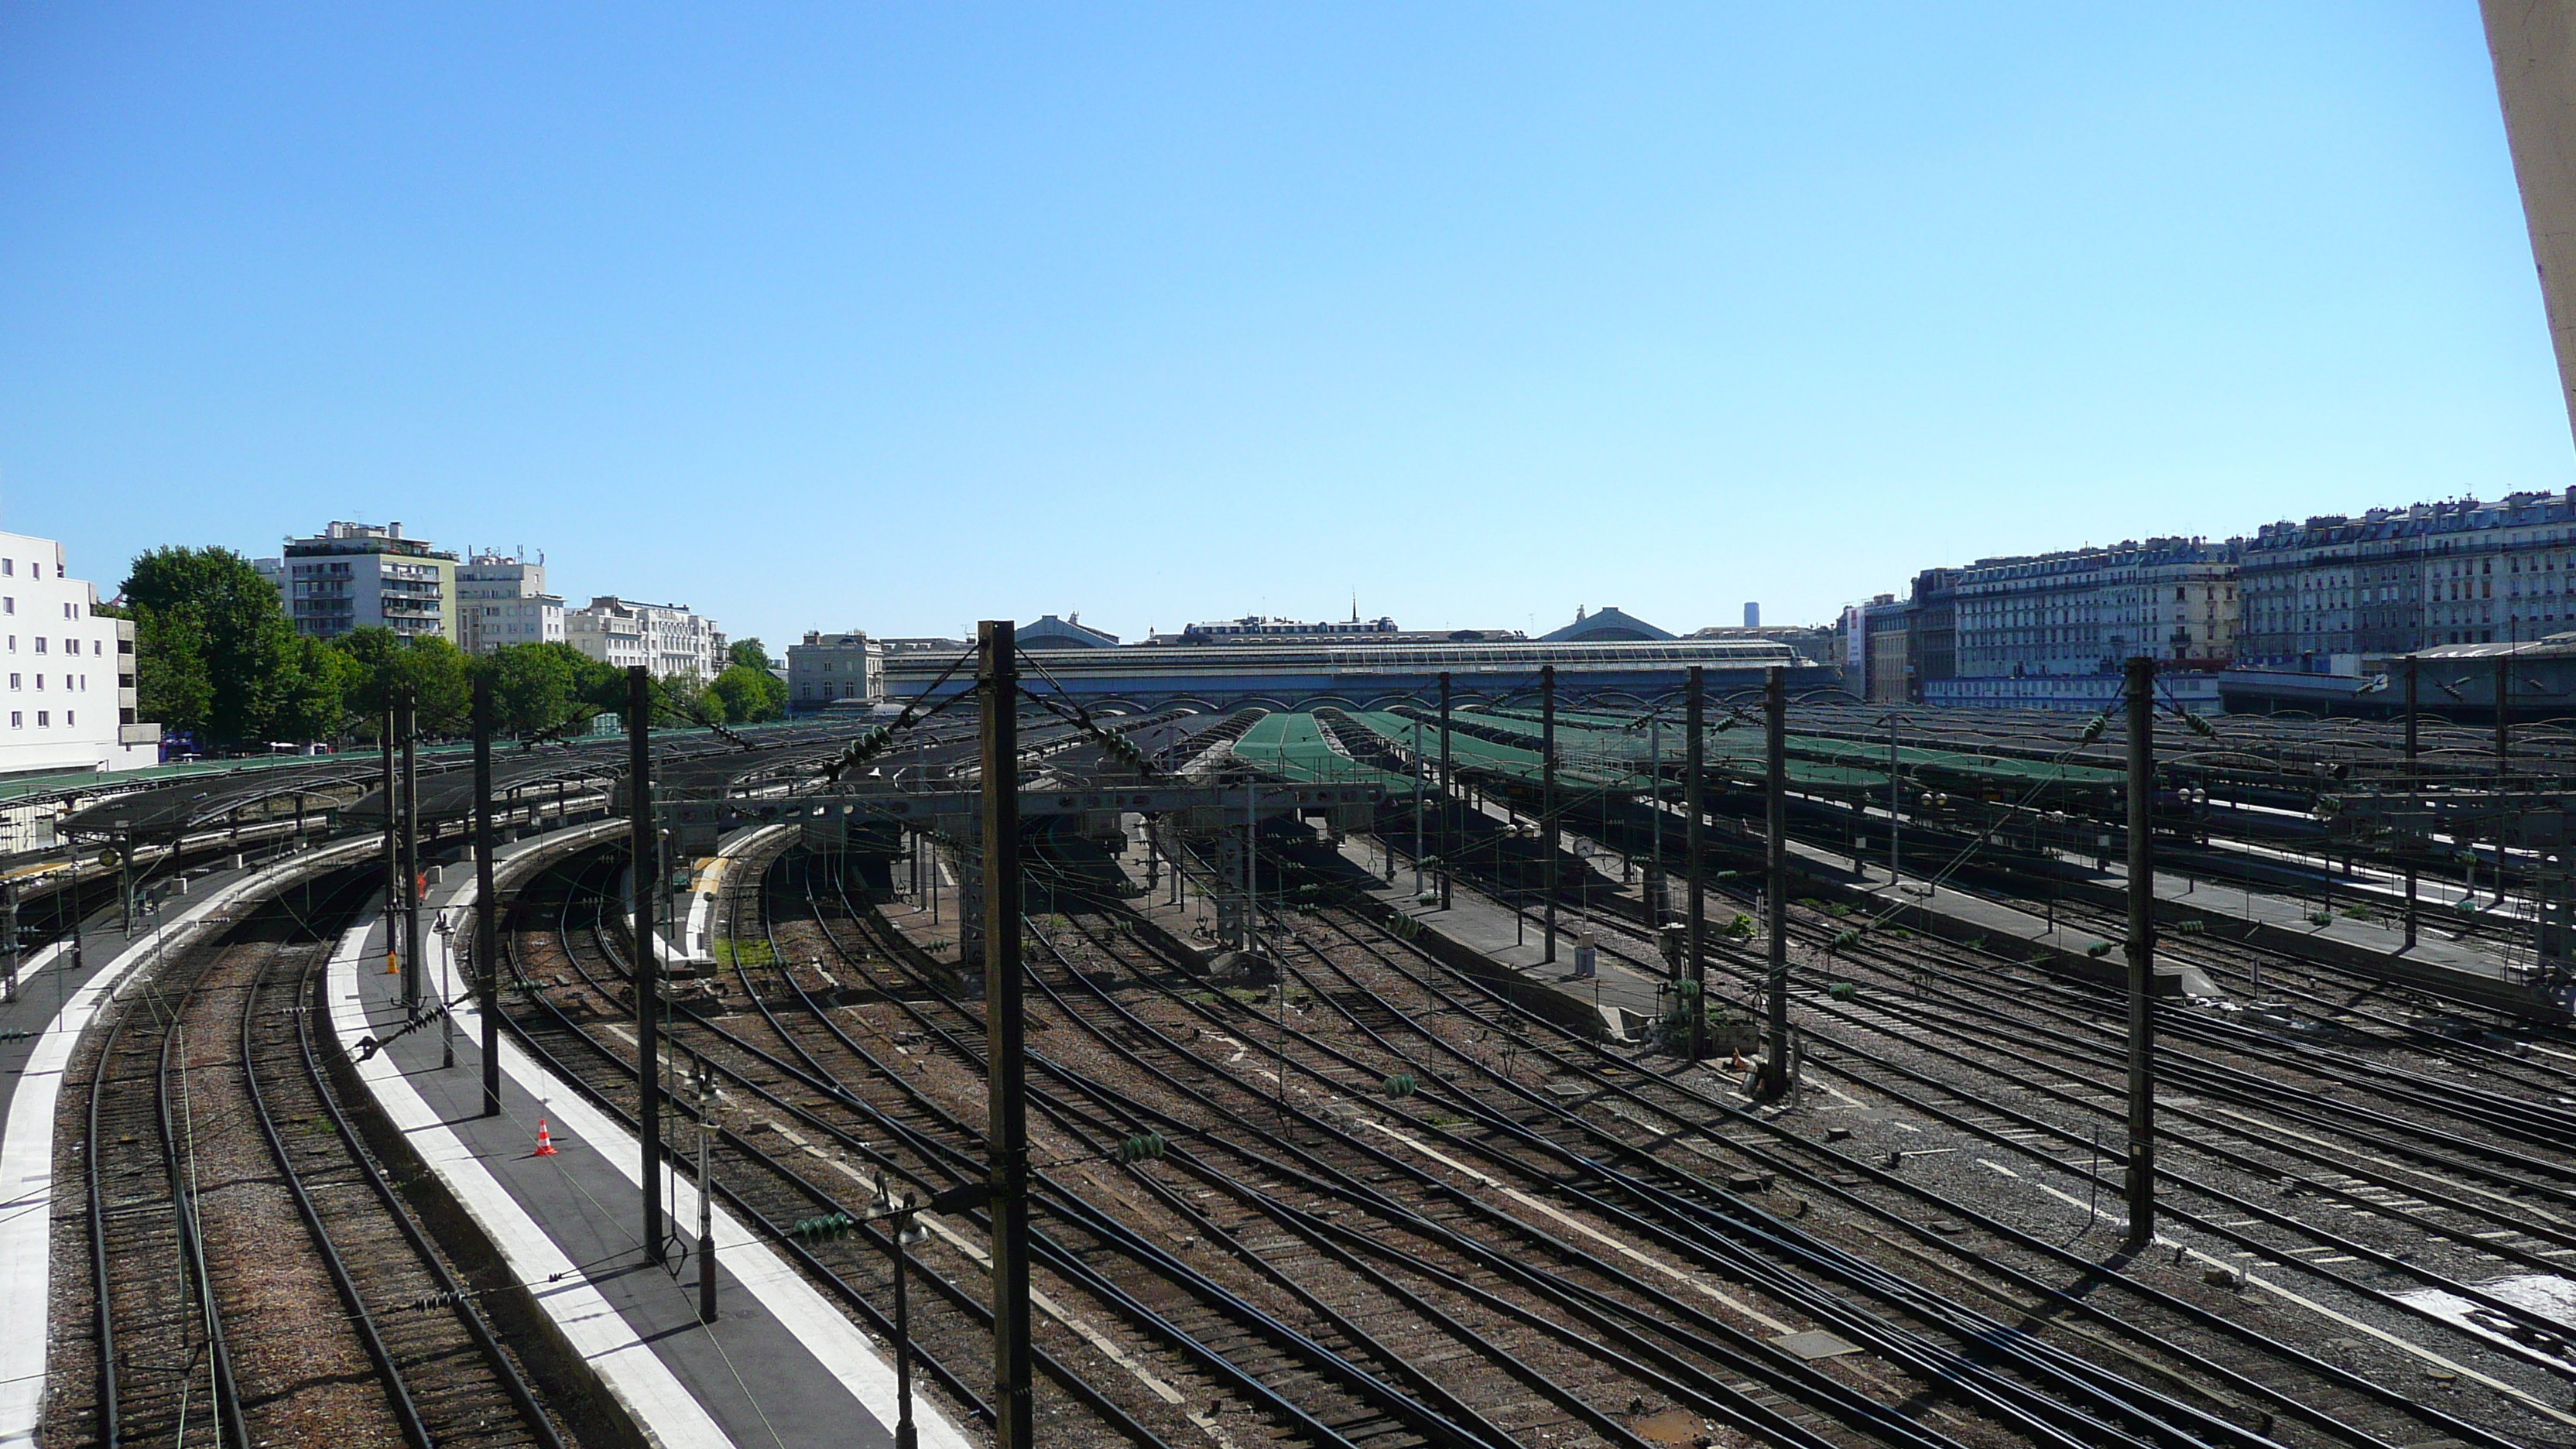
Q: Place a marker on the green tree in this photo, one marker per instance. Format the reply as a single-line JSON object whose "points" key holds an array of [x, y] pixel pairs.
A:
{"points": [[435, 673], [537, 687], [379, 666], [750, 653], [214, 643], [532, 687], [171, 685], [313, 701], [367, 665], [748, 696]]}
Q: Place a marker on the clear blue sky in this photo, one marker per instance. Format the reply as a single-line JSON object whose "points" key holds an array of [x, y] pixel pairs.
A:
{"points": [[900, 316]]}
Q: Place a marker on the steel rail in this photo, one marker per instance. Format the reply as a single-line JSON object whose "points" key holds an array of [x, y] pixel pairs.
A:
{"points": [[1140, 1115], [1384, 1161], [397, 1391], [1703, 1109], [1742, 1352], [1231, 1305], [191, 1241], [841, 1288], [1072, 1382], [2014, 1401]]}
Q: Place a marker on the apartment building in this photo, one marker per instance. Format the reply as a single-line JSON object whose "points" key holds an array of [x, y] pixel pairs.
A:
{"points": [[69, 670], [667, 639], [830, 668], [2053, 631], [2319, 595], [501, 599], [1887, 650], [359, 575]]}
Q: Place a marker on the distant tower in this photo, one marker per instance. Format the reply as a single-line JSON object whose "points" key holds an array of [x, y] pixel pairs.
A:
{"points": [[1753, 616]]}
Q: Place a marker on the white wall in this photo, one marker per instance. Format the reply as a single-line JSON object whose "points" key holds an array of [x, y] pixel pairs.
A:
{"points": [[59, 668]]}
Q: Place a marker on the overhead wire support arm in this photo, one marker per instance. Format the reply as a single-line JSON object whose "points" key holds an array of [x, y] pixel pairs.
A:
{"points": [[672, 704], [1119, 746], [561, 730], [868, 746]]}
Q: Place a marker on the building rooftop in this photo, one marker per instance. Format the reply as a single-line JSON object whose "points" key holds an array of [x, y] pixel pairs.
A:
{"points": [[358, 538], [1605, 625]]}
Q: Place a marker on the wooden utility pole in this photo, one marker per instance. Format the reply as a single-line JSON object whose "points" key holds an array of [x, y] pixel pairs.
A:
{"points": [[410, 893], [1547, 798], [487, 942], [2142, 953], [707, 1194], [648, 1005], [2503, 737], [1695, 967], [1448, 807], [393, 793], [1007, 1137], [2412, 784], [1776, 1071]]}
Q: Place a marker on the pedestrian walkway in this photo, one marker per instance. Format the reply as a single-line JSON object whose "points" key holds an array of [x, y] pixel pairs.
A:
{"points": [[780, 1365], [2380, 933], [1517, 942]]}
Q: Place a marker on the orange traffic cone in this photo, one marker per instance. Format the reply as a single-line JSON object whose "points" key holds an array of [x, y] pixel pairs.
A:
{"points": [[545, 1141]]}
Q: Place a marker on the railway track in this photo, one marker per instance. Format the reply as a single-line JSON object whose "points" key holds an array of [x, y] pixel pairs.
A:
{"points": [[1513, 1352], [1643, 1110], [837, 1158], [2126, 1406], [249, 1272], [2030, 1065]]}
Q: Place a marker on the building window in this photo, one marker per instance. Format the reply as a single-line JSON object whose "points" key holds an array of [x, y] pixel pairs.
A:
{"points": [[17, 719], [44, 719], [67, 719]]}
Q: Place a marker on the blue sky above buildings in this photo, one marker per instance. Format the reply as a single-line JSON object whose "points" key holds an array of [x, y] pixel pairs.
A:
{"points": [[896, 317]]}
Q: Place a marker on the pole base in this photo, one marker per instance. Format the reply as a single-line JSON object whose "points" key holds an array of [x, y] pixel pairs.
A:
{"points": [[1774, 1079]]}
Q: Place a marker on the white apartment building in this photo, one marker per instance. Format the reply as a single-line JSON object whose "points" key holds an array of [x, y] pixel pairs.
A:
{"points": [[359, 575], [501, 600], [69, 670], [2053, 631], [665, 638], [2323, 594], [826, 668]]}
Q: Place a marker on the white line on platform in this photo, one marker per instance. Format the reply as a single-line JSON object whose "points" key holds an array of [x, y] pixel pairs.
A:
{"points": [[626, 1366], [836, 1343]]}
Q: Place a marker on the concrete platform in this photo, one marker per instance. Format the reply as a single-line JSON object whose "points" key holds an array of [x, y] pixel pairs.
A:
{"points": [[2433, 947], [780, 1364]]}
